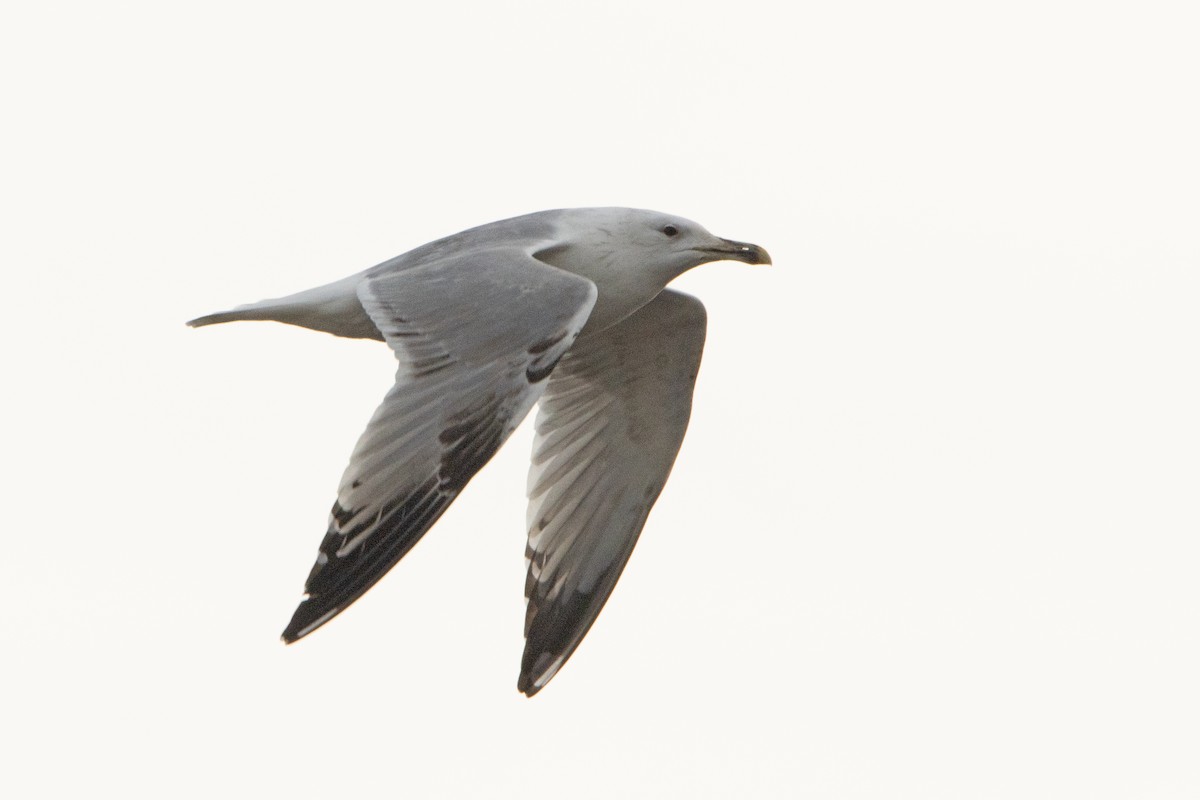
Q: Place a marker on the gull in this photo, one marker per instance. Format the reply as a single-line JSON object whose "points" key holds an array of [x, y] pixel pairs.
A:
{"points": [[566, 308]]}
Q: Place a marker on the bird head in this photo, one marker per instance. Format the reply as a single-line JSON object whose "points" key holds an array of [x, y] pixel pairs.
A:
{"points": [[634, 239]]}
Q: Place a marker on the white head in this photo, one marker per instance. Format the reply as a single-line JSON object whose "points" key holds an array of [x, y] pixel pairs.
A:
{"points": [[619, 239]]}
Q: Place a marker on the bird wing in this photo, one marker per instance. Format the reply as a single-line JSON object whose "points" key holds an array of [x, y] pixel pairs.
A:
{"points": [[608, 429], [476, 335]]}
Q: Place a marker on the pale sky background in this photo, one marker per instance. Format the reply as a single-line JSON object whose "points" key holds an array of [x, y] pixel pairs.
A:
{"points": [[934, 529]]}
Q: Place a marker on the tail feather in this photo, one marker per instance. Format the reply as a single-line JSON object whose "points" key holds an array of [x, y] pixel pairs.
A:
{"points": [[235, 315], [333, 308]]}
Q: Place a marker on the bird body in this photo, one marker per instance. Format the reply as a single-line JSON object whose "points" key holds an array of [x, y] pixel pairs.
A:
{"points": [[567, 307]]}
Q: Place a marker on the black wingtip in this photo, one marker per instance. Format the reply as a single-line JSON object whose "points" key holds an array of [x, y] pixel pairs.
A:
{"points": [[307, 618], [526, 686], [538, 670]]}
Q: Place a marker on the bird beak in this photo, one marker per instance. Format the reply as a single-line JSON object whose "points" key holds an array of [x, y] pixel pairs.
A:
{"points": [[737, 251]]}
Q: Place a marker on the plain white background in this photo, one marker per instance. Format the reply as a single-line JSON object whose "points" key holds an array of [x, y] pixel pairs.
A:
{"points": [[933, 532]]}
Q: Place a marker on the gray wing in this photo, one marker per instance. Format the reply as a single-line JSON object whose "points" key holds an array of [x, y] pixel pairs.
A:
{"points": [[476, 335], [608, 429]]}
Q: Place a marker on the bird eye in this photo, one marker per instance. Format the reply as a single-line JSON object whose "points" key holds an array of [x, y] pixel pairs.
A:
{"points": [[670, 230]]}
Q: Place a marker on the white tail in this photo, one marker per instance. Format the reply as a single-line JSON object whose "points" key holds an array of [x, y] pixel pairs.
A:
{"points": [[333, 308]]}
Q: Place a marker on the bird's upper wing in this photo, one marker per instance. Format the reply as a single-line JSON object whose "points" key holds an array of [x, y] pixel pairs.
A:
{"points": [[608, 429], [476, 335]]}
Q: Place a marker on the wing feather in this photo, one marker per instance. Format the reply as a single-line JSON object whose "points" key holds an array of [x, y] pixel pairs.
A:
{"points": [[608, 429], [475, 335]]}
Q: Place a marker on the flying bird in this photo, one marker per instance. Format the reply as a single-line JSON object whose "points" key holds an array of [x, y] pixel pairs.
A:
{"points": [[566, 308]]}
